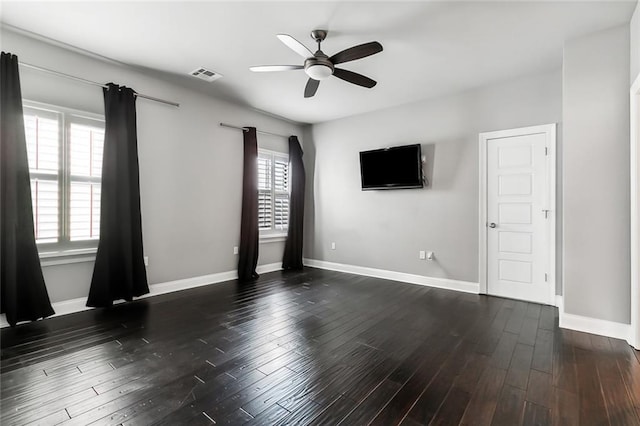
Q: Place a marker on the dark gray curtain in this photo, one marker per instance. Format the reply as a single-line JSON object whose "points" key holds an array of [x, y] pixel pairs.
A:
{"points": [[119, 271], [23, 295], [292, 258], [248, 251]]}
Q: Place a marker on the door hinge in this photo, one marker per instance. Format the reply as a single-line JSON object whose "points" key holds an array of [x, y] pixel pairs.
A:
{"points": [[546, 151], [546, 278]]}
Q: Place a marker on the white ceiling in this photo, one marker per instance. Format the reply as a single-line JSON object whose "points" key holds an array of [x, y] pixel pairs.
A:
{"points": [[430, 48]]}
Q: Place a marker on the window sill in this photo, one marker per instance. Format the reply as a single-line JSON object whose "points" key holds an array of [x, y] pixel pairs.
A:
{"points": [[53, 258], [273, 238]]}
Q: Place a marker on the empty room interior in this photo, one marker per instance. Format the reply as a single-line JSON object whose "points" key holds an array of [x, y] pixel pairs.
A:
{"points": [[301, 212]]}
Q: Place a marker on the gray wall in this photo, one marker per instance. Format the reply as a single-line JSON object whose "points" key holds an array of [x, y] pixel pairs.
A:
{"points": [[190, 167], [635, 44], [386, 229], [596, 175]]}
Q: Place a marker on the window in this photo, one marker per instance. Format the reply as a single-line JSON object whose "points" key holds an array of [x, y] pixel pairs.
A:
{"points": [[273, 192], [64, 149]]}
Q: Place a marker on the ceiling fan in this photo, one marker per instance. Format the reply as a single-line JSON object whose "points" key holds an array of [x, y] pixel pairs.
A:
{"points": [[319, 66]]}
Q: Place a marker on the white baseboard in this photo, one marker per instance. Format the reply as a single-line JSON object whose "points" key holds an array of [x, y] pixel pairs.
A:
{"points": [[265, 269], [559, 303], [184, 284], [590, 325], [80, 304], [171, 286], [445, 283], [600, 327]]}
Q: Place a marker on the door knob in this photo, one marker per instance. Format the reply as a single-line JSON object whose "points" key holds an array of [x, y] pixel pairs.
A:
{"points": [[492, 225]]}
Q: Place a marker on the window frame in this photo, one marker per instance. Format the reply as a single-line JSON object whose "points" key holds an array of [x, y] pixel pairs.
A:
{"points": [[79, 249], [274, 233]]}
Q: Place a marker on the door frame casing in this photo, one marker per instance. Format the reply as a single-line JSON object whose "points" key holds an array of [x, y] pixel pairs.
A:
{"points": [[550, 131], [634, 338]]}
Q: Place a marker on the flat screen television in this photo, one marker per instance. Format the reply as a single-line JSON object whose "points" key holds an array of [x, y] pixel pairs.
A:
{"points": [[397, 167]]}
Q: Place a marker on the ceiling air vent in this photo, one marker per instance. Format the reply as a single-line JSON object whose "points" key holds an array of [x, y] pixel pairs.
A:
{"points": [[205, 74]]}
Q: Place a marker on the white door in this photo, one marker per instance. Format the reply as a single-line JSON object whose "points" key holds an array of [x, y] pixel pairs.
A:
{"points": [[518, 214]]}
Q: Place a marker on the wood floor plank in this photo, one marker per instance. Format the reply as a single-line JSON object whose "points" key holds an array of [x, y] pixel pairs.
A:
{"points": [[304, 414], [211, 395], [51, 419], [32, 412], [518, 374], [362, 386], [501, 357], [548, 318], [620, 406], [516, 320], [565, 408], [565, 373], [271, 415], [311, 387], [364, 412], [484, 398], [452, 408], [591, 402], [536, 415], [229, 405], [533, 311], [410, 391], [539, 388], [543, 351], [628, 361], [510, 407], [150, 404], [335, 412], [528, 332], [433, 396]]}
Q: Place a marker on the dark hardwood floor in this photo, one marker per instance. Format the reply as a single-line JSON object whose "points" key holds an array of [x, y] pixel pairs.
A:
{"points": [[316, 347]]}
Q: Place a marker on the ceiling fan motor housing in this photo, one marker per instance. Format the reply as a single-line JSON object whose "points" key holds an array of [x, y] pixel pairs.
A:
{"points": [[318, 67]]}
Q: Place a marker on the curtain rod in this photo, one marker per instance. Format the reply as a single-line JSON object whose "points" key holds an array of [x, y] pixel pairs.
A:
{"points": [[244, 129], [93, 83]]}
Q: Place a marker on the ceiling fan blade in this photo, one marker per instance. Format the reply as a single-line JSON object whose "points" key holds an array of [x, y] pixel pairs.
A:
{"points": [[311, 88], [270, 68], [356, 52], [295, 45], [354, 77]]}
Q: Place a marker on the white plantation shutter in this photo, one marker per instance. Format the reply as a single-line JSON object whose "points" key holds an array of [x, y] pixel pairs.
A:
{"points": [[264, 210], [281, 211], [65, 164], [86, 144], [281, 183], [264, 172], [44, 198], [85, 167], [84, 211], [264, 192], [281, 175], [42, 131], [273, 191]]}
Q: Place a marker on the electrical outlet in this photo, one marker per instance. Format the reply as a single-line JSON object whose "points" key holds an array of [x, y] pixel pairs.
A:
{"points": [[146, 261], [430, 255], [333, 246], [422, 255], [235, 250]]}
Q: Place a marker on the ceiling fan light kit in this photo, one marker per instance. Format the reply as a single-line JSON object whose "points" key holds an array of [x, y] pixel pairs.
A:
{"points": [[319, 66], [318, 69]]}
